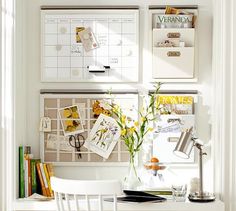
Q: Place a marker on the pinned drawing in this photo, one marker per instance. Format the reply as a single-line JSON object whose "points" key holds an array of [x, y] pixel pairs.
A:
{"points": [[103, 136], [71, 120]]}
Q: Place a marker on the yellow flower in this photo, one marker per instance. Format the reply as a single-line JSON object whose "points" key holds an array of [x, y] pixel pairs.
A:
{"points": [[123, 118], [143, 119], [66, 112], [69, 128], [75, 115], [123, 132], [150, 129], [115, 108], [132, 129], [98, 111], [74, 109], [136, 124], [69, 123]]}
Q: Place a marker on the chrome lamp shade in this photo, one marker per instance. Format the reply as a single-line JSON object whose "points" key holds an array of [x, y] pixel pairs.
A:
{"points": [[183, 149], [184, 146]]}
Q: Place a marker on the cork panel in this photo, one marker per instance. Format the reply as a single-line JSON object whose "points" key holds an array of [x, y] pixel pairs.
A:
{"points": [[50, 157], [65, 157], [83, 158], [50, 103], [65, 103], [113, 157], [123, 147], [52, 113], [124, 157], [116, 147], [96, 158], [54, 124]]}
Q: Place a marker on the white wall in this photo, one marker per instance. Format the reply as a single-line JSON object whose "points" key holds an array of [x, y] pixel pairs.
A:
{"points": [[29, 80]]}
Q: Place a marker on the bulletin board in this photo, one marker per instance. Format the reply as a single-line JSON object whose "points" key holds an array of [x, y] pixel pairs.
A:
{"points": [[61, 152], [64, 58]]}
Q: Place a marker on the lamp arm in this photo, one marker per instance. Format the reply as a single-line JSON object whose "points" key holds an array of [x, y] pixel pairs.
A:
{"points": [[199, 146], [200, 172]]}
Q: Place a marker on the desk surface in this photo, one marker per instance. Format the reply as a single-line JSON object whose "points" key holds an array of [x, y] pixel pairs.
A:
{"points": [[169, 205]]}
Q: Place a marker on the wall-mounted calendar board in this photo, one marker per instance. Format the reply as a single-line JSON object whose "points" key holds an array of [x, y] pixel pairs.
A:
{"points": [[64, 58], [55, 146]]}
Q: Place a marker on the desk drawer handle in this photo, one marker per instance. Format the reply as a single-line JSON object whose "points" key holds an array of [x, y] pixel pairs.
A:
{"points": [[173, 35], [173, 54]]}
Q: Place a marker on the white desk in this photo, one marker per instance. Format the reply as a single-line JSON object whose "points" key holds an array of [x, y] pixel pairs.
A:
{"points": [[22, 205]]}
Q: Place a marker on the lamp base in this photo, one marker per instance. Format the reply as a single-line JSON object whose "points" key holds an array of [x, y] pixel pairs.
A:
{"points": [[204, 197]]}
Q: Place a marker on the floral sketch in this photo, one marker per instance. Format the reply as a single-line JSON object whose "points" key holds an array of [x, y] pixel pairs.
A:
{"points": [[103, 136], [71, 120]]}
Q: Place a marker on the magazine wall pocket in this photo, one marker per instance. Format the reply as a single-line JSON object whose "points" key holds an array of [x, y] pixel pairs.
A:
{"points": [[173, 44], [173, 63], [176, 115]]}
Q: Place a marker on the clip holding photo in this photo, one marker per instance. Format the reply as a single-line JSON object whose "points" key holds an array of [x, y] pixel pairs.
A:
{"points": [[88, 39]]}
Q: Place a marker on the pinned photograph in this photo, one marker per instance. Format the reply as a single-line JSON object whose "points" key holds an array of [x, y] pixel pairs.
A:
{"points": [[103, 136], [88, 39], [78, 29], [101, 107], [71, 120]]}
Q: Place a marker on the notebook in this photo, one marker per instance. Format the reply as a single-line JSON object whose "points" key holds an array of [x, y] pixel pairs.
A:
{"points": [[137, 196]]}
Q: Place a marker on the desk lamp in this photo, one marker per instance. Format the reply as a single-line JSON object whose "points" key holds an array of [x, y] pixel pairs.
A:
{"points": [[183, 149]]}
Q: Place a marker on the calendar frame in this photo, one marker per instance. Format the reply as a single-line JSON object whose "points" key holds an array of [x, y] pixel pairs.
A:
{"points": [[121, 74]]}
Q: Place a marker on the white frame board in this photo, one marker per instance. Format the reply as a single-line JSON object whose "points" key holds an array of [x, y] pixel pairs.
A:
{"points": [[63, 65]]}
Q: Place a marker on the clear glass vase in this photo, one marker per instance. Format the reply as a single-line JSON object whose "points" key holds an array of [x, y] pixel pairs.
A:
{"points": [[132, 180]]}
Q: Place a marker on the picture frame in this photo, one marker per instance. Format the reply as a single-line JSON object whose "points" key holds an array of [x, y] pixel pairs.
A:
{"points": [[103, 136]]}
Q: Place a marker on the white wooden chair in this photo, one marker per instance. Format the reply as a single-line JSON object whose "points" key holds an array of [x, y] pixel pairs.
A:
{"points": [[84, 188]]}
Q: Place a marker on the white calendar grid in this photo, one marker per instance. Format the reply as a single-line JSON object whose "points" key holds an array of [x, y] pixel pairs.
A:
{"points": [[63, 59]]}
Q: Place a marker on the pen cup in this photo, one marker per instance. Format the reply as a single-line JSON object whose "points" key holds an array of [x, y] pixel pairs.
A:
{"points": [[179, 192]]}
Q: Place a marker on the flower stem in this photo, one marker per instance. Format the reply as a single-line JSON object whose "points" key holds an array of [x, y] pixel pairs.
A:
{"points": [[132, 165]]}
